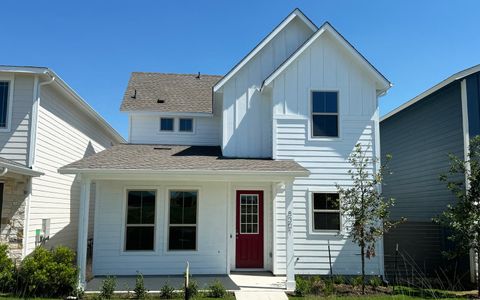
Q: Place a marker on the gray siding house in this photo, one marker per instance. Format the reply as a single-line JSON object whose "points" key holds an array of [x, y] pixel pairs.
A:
{"points": [[420, 135]]}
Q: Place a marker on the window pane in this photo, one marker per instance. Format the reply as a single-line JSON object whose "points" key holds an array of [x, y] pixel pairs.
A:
{"points": [[166, 124], [189, 207], [325, 125], [326, 221], [140, 238], [3, 103], [186, 125], [176, 207], [324, 102], [148, 207], [182, 238], [325, 201], [134, 209]]}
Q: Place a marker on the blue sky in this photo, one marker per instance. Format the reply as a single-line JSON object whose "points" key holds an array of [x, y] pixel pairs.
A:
{"points": [[95, 45]]}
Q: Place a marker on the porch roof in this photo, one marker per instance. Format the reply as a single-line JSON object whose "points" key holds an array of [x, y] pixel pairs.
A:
{"points": [[15, 167], [188, 159]]}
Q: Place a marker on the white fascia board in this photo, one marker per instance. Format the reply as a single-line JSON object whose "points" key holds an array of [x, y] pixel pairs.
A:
{"points": [[454, 77], [168, 114], [20, 170], [77, 100], [213, 174], [263, 43]]}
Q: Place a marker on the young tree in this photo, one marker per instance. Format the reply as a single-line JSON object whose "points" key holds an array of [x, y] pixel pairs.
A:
{"points": [[363, 204], [463, 217]]}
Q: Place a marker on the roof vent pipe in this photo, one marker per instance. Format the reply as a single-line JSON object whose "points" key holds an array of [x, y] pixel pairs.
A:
{"points": [[198, 75]]}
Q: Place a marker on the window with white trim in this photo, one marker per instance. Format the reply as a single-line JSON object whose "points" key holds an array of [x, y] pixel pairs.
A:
{"points": [[167, 124], [185, 125], [140, 225], [324, 114], [182, 227], [4, 97], [326, 211]]}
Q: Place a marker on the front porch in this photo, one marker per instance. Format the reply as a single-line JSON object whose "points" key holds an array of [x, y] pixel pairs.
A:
{"points": [[236, 281]]}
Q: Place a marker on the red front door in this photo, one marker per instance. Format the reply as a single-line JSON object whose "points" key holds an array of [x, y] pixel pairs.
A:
{"points": [[249, 240]]}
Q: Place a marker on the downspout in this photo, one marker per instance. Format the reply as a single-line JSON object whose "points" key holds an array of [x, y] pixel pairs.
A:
{"points": [[31, 154]]}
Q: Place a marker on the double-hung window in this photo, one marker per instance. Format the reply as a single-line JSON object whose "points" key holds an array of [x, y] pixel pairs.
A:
{"points": [[166, 124], [140, 225], [326, 211], [324, 114], [4, 98], [182, 231]]}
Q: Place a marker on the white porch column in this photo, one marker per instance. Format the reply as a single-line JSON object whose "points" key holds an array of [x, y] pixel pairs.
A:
{"points": [[290, 268], [83, 230]]}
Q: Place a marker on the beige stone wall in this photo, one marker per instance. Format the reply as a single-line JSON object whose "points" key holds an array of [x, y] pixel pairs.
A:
{"points": [[13, 213]]}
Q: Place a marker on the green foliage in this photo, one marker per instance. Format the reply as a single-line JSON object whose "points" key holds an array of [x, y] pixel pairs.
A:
{"points": [[7, 270], [339, 279], [192, 288], [167, 292], [108, 287], [302, 286], [463, 217], [140, 290], [363, 203], [217, 290], [316, 285], [329, 288], [357, 281], [48, 273], [375, 282]]}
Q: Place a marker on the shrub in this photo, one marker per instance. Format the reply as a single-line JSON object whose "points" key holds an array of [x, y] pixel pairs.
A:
{"points": [[329, 288], [302, 286], [108, 287], [339, 279], [46, 273], [357, 281], [192, 289], [167, 291], [217, 290], [140, 290], [375, 282], [7, 270], [317, 286]]}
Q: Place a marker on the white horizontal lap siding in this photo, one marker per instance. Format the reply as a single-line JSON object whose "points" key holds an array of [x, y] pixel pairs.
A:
{"points": [[64, 135], [14, 144], [145, 129], [211, 256], [247, 130], [323, 66]]}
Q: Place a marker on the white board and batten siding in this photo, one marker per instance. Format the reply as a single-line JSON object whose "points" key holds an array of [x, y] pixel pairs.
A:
{"points": [[14, 144], [323, 66], [247, 117], [65, 134]]}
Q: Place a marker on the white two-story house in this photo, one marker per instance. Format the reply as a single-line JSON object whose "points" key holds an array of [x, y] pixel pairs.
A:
{"points": [[237, 172], [44, 124]]}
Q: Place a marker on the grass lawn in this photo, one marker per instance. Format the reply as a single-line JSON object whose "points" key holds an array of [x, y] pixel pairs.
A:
{"points": [[386, 297]]}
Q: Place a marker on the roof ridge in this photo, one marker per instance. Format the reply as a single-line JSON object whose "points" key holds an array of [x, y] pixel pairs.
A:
{"points": [[180, 74]]}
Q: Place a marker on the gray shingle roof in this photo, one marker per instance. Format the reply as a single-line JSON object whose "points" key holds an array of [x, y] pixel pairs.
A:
{"points": [[177, 158], [180, 92]]}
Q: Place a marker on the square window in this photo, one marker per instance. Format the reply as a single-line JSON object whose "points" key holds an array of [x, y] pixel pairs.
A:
{"points": [[166, 124], [186, 125], [325, 125]]}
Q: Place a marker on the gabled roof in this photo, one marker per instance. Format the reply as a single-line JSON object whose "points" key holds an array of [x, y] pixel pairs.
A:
{"points": [[454, 77], [75, 98], [384, 84], [191, 93], [296, 13], [163, 159]]}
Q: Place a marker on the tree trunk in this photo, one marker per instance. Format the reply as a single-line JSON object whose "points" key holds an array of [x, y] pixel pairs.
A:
{"points": [[363, 268]]}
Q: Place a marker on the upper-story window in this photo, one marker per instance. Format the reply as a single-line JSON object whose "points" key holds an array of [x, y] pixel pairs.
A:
{"points": [[185, 125], [324, 114], [166, 124], [4, 96]]}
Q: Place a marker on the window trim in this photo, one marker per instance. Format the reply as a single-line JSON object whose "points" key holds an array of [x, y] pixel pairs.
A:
{"points": [[183, 131], [258, 213], [311, 114], [123, 237], [311, 227], [167, 220], [11, 88], [165, 130]]}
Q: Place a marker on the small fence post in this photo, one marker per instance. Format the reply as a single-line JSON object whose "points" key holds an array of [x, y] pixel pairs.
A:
{"points": [[330, 260], [395, 267], [187, 276]]}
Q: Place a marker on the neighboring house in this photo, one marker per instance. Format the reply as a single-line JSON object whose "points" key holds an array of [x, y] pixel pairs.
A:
{"points": [[420, 135], [44, 125], [237, 172]]}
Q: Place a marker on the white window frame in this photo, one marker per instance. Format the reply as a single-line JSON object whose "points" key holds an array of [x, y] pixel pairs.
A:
{"points": [[165, 130], [258, 214], [312, 229], [11, 88], [167, 219], [311, 114], [124, 221], [193, 125]]}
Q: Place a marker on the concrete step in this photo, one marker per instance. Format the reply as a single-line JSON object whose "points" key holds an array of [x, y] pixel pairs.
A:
{"points": [[260, 295]]}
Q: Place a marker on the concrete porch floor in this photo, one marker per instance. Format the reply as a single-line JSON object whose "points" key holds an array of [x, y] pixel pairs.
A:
{"points": [[237, 281]]}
